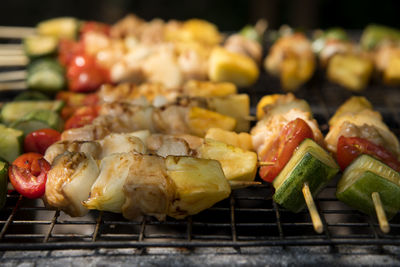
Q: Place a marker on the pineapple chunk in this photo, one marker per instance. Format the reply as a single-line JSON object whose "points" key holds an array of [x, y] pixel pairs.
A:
{"points": [[295, 71], [200, 183], [209, 89], [194, 30], [236, 163], [264, 101], [242, 140], [200, 120], [391, 74], [350, 71], [235, 106], [226, 66]]}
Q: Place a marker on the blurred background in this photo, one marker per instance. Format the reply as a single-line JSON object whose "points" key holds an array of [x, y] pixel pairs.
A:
{"points": [[228, 15]]}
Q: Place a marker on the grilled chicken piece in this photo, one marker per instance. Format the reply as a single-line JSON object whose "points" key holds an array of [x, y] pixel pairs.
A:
{"points": [[387, 61], [239, 44], [148, 189], [365, 124], [291, 58], [270, 127], [165, 145], [91, 148], [336, 46], [69, 182]]}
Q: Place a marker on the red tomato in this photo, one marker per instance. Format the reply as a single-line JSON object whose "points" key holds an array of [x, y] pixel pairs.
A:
{"points": [[28, 175], [81, 117], [38, 141], [93, 26], [282, 148], [84, 74], [91, 100], [67, 49], [349, 148]]}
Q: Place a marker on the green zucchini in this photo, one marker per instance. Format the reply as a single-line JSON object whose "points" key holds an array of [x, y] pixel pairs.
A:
{"points": [[39, 46], [14, 111], [310, 164], [65, 27], [365, 176], [31, 95], [10, 143], [374, 34], [46, 74], [3, 182], [39, 119], [250, 32]]}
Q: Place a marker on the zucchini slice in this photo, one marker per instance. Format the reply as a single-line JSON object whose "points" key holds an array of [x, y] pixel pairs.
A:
{"points": [[14, 111], [38, 46], [365, 176], [10, 143], [39, 119], [46, 74], [64, 27], [310, 164]]}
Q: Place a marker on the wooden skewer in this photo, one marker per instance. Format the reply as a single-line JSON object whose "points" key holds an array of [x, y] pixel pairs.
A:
{"points": [[12, 52], [250, 118], [242, 184], [316, 219], [13, 86], [16, 32], [14, 60], [11, 47], [380, 213], [265, 163], [13, 75]]}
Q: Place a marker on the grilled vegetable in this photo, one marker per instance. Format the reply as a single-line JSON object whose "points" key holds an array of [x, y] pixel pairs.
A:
{"points": [[46, 74], [225, 66], [321, 37], [14, 111], [200, 120], [3, 182], [242, 140], [352, 105], [10, 143], [38, 141], [199, 183], [365, 176], [28, 175], [39, 46], [236, 163], [39, 119], [31, 95], [235, 106], [350, 71], [309, 164], [65, 27], [374, 34]]}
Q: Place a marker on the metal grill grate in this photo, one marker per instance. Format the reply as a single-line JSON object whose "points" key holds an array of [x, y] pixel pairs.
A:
{"points": [[249, 218]]}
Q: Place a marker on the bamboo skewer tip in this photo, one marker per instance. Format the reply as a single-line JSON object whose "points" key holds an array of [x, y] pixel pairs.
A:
{"points": [[315, 217], [380, 213], [265, 163]]}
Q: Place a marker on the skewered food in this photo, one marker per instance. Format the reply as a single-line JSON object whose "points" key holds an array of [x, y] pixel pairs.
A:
{"points": [[345, 62], [356, 119], [3, 182], [365, 176], [292, 60], [10, 143], [284, 136]]}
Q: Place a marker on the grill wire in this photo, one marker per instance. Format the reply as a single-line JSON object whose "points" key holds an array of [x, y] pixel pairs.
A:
{"points": [[249, 218]]}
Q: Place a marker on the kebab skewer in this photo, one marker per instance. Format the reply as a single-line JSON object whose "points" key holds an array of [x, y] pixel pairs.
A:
{"points": [[368, 152], [288, 136]]}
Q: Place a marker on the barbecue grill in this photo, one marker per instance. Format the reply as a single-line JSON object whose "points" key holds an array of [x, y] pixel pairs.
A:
{"points": [[246, 228]]}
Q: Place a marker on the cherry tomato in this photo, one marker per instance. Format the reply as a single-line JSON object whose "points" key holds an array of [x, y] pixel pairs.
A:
{"points": [[93, 26], [67, 49], [28, 175], [349, 148], [38, 141], [282, 148], [84, 74], [82, 116]]}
